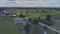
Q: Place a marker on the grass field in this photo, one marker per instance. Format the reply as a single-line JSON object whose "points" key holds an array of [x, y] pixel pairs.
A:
{"points": [[8, 27]]}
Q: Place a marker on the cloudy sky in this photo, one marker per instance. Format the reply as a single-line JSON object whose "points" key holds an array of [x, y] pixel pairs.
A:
{"points": [[30, 3]]}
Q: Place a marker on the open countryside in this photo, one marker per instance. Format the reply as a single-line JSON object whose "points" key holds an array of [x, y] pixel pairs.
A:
{"points": [[12, 20]]}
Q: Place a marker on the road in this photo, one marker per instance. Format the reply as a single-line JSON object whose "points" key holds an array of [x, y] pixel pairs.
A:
{"points": [[50, 27]]}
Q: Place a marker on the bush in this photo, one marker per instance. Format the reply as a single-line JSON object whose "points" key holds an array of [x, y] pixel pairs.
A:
{"points": [[35, 22]]}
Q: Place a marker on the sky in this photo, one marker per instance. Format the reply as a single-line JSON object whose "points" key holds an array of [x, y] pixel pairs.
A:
{"points": [[30, 3]]}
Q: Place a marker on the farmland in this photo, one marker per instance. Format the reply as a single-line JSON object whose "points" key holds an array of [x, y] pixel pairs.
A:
{"points": [[8, 27]]}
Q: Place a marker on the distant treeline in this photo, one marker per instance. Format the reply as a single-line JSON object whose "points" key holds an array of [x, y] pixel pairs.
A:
{"points": [[51, 8]]}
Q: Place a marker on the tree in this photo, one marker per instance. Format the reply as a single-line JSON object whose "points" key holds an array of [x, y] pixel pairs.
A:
{"points": [[48, 17], [27, 11], [45, 27], [43, 11], [30, 20], [36, 10], [35, 21], [57, 33], [39, 19], [21, 15], [49, 22]]}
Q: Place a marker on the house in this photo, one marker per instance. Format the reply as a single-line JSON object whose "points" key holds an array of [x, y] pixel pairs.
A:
{"points": [[19, 20], [2, 15], [12, 14]]}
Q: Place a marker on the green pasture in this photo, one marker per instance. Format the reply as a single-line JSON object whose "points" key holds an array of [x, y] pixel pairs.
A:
{"points": [[7, 26]]}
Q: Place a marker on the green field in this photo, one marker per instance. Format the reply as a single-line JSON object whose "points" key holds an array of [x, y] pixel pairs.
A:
{"points": [[8, 27]]}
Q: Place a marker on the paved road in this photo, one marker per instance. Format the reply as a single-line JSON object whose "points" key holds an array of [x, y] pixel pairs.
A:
{"points": [[50, 28]]}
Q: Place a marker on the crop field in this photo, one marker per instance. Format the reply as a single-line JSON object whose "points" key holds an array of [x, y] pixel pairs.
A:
{"points": [[8, 27]]}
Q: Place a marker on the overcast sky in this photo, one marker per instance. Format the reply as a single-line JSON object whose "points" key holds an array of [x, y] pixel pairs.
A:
{"points": [[30, 3]]}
